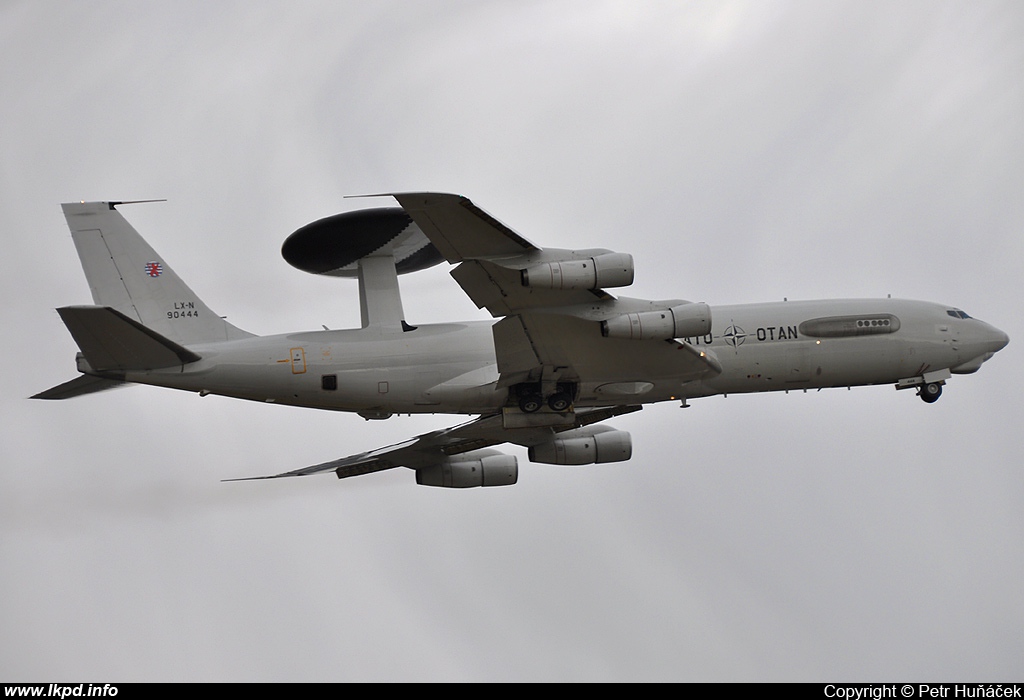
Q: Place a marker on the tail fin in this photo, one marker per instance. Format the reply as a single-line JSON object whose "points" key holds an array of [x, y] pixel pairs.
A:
{"points": [[126, 274]]}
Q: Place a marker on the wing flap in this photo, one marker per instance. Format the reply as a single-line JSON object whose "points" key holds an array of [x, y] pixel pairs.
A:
{"points": [[514, 351]]}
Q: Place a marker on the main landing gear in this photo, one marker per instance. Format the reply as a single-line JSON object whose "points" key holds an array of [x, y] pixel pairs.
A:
{"points": [[532, 400], [930, 392]]}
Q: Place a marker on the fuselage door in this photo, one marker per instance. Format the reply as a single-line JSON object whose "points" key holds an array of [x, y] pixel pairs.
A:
{"points": [[298, 361]]}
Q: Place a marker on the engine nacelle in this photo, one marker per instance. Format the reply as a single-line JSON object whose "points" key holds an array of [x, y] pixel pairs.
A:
{"points": [[590, 445], [683, 321], [598, 272], [476, 468]]}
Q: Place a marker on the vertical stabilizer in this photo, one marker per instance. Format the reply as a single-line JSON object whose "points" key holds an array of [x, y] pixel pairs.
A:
{"points": [[126, 274]]}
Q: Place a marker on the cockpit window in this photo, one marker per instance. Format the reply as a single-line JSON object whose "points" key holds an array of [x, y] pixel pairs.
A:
{"points": [[957, 313]]}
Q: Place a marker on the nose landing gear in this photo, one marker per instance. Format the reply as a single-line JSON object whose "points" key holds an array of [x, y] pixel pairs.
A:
{"points": [[930, 392], [928, 384]]}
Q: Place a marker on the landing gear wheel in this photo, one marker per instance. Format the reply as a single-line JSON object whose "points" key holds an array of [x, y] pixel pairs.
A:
{"points": [[531, 403], [930, 393], [559, 402]]}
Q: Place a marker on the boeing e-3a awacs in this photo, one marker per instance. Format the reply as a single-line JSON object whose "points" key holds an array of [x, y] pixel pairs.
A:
{"points": [[563, 356]]}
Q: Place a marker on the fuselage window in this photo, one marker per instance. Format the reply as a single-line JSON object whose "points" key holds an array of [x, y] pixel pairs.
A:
{"points": [[329, 382]]}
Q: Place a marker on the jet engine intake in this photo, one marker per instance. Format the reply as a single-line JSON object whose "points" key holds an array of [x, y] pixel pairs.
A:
{"points": [[605, 270], [476, 468], [683, 321], [596, 444]]}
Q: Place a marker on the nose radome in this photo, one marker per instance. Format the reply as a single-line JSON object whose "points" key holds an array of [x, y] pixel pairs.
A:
{"points": [[999, 340]]}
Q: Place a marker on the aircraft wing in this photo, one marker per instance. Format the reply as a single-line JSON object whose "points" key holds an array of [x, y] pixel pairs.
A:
{"points": [[464, 233], [551, 329], [460, 229], [437, 447]]}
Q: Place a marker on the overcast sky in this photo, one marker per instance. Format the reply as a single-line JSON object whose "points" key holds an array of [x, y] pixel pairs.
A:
{"points": [[741, 151]]}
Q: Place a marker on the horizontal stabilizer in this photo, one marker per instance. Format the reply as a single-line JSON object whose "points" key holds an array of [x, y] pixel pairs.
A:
{"points": [[79, 386], [112, 342]]}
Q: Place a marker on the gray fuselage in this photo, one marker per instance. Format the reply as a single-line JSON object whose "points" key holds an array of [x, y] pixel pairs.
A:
{"points": [[451, 367]]}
